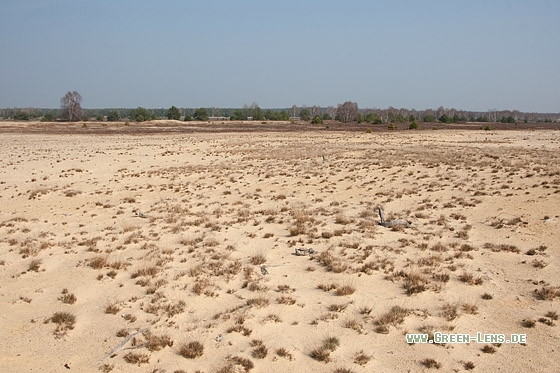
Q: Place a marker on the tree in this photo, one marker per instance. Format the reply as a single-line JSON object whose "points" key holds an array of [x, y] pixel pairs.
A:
{"points": [[21, 115], [373, 118], [71, 106], [49, 117], [201, 114], [113, 116], [140, 114], [347, 112], [304, 114], [173, 113], [238, 114], [256, 112], [445, 119], [326, 116], [429, 118], [294, 111]]}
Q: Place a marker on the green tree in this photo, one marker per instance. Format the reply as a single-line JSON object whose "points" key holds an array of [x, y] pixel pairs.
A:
{"points": [[445, 119], [413, 125], [373, 118], [508, 119], [139, 114], [173, 113], [49, 116], [201, 114], [429, 118], [238, 114], [258, 113], [304, 114], [188, 117], [99, 118], [21, 115], [283, 115], [113, 116], [326, 116], [317, 120]]}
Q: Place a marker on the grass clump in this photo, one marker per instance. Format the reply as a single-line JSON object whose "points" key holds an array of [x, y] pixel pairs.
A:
{"points": [[67, 297], [431, 363], [136, 358], [191, 350]]}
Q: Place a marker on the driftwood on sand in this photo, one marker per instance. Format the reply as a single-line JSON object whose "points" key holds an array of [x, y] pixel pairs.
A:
{"points": [[392, 223]]}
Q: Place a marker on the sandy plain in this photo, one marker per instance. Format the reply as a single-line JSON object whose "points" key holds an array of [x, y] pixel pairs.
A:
{"points": [[176, 252]]}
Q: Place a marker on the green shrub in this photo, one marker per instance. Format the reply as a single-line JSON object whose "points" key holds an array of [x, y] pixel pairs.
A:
{"points": [[413, 125], [317, 120]]}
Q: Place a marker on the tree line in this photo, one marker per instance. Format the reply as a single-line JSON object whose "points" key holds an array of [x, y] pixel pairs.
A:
{"points": [[71, 110]]}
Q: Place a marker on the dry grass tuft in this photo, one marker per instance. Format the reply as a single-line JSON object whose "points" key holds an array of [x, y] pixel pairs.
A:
{"points": [[67, 297], [257, 259], [65, 321], [346, 289], [547, 292], [469, 278], [431, 363], [136, 358], [191, 350], [487, 349], [361, 358]]}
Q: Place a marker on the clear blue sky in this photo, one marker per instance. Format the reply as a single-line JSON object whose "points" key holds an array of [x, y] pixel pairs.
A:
{"points": [[473, 55]]}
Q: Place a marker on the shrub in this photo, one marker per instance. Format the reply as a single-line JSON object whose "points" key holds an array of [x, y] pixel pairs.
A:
{"points": [[191, 350], [413, 126], [430, 363], [317, 120]]}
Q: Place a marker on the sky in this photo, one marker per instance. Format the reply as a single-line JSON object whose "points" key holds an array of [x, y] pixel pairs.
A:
{"points": [[417, 54]]}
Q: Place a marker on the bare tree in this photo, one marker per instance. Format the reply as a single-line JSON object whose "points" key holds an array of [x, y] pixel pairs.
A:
{"points": [[71, 107], [294, 111], [347, 112], [315, 110]]}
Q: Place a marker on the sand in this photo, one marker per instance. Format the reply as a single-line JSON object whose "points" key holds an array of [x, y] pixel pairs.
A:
{"points": [[184, 238]]}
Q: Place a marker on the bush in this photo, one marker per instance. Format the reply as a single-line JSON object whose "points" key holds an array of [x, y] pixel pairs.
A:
{"points": [[140, 114], [20, 115], [445, 119], [413, 126], [391, 126], [317, 120], [429, 118], [326, 116], [373, 118], [113, 116], [201, 114], [49, 117], [173, 113]]}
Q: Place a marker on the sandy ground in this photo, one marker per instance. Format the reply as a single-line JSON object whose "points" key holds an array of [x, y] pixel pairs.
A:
{"points": [[176, 252]]}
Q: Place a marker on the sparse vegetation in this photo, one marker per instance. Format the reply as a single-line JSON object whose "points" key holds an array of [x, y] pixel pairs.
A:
{"points": [[191, 350]]}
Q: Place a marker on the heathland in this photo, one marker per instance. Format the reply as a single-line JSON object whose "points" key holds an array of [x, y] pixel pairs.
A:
{"points": [[173, 247]]}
